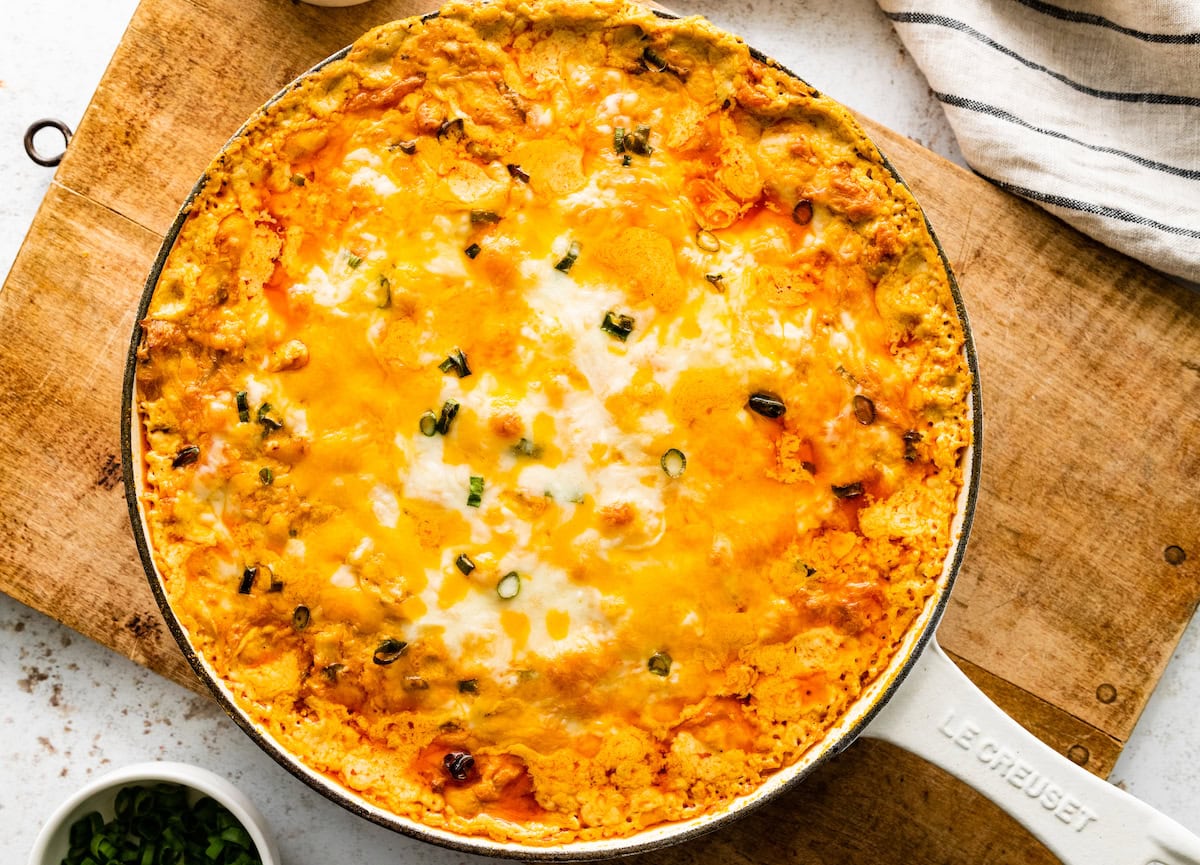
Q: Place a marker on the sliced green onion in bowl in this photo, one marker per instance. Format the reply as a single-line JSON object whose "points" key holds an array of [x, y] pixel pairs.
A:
{"points": [[428, 424], [707, 241]]}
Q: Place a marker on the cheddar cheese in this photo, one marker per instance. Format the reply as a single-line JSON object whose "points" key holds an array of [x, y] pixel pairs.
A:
{"points": [[553, 419]]}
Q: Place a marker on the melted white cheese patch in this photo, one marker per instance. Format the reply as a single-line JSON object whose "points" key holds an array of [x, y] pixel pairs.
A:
{"points": [[471, 629]]}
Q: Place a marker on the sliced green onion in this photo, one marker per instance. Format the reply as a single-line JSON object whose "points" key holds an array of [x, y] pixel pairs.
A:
{"points": [[568, 260], [248, 577], [639, 141], [848, 491], [459, 765], [266, 476], [475, 494], [301, 617], [265, 417], [716, 280], [652, 61], [407, 147], [767, 404], [449, 412], [802, 213], [518, 173], [275, 586], [659, 664], [353, 261], [389, 651], [468, 686], [911, 438], [864, 409], [617, 324], [428, 424], [185, 456], [509, 586], [484, 217], [526, 448], [464, 564], [673, 462], [386, 285], [454, 129], [332, 671], [626, 160], [619, 139], [298, 179], [457, 361], [707, 241], [243, 406], [473, 250]]}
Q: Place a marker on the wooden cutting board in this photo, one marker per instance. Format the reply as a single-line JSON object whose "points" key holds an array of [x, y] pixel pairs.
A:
{"points": [[1081, 574]]}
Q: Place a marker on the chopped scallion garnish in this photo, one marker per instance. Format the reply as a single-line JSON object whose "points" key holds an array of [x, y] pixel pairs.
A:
{"points": [[484, 217], [618, 324], [243, 406], [767, 404], [456, 361], [388, 651], [526, 448], [468, 686], [269, 421], [626, 160], [473, 250], [353, 261], [619, 139], [266, 476], [407, 147], [509, 586], [274, 585], [847, 491], [449, 412], [475, 493], [518, 173], [659, 664], [459, 765], [652, 61], [301, 617], [568, 260], [249, 575], [707, 241], [298, 180], [464, 564], [454, 129], [717, 280], [673, 462], [429, 424], [639, 141], [386, 285], [185, 456]]}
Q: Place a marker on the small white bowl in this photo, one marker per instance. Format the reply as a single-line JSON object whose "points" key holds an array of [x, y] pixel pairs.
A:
{"points": [[101, 794]]}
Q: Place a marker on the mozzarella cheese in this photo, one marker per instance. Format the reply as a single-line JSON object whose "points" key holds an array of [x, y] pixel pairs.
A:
{"points": [[615, 644]]}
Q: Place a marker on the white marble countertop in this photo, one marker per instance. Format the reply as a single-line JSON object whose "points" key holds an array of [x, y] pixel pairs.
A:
{"points": [[70, 708]]}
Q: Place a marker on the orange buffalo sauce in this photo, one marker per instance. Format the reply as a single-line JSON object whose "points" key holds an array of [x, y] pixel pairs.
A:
{"points": [[553, 419]]}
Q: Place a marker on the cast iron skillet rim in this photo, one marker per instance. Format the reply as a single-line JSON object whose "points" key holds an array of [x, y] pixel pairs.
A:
{"points": [[482, 845]]}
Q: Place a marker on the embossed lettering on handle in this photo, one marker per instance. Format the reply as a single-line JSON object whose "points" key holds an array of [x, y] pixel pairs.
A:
{"points": [[940, 715], [1055, 797]]}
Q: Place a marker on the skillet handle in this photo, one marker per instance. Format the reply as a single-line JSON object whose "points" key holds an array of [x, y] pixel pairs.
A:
{"points": [[938, 714]]}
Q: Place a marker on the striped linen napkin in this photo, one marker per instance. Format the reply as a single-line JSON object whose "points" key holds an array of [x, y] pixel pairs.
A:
{"points": [[1091, 108]]}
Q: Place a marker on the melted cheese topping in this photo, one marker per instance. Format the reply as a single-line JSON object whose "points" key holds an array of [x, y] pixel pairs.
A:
{"points": [[675, 639]]}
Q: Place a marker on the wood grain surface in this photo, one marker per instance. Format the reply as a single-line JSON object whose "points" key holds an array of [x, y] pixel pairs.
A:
{"points": [[1067, 608]]}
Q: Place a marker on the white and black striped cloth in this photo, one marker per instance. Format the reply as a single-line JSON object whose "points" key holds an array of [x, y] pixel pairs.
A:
{"points": [[1091, 108]]}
